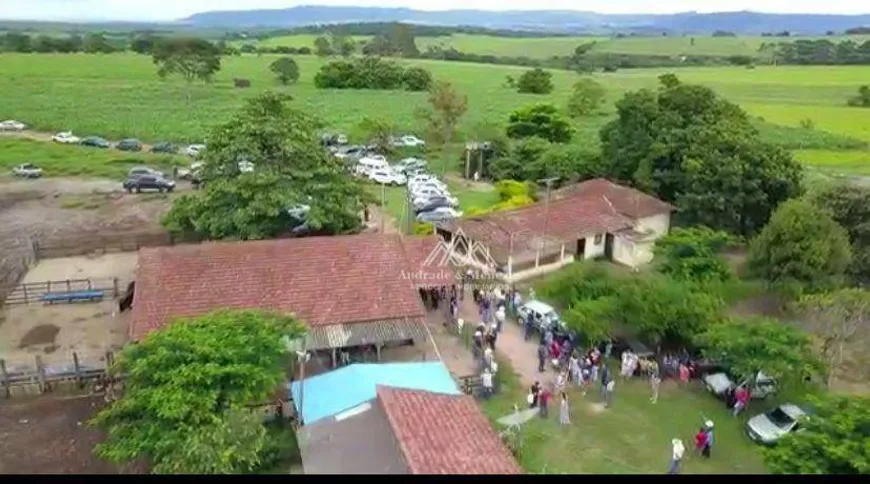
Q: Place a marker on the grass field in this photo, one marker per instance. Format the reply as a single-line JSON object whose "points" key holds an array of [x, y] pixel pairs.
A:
{"points": [[118, 96], [65, 160], [633, 436], [546, 47]]}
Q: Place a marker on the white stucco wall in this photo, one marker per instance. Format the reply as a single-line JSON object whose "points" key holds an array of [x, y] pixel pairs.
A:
{"points": [[632, 254], [660, 224], [592, 250]]}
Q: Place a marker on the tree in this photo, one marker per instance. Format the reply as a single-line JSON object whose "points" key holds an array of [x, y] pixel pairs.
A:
{"points": [[379, 133], [190, 58], [446, 107], [849, 205], [862, 100], [541, 120], [801, 245], [692, 148], [417, 79], [592, 320], [535, 81], [143, 44], [838, 319], [322, 47], [586, 98], [833, 441], [286, 70], [95, 43], [291, 169], [692, 254], [342, 45], [751, 345], [186, 389]]}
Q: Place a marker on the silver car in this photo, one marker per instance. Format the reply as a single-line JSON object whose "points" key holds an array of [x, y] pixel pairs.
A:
{"points": [[770, 426]]}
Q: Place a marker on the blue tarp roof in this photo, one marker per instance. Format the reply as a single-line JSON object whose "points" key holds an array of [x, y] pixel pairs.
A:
{"points": [[348, 387]]}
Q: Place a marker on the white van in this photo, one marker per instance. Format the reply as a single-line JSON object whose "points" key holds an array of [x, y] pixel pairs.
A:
{"points": [[369, 164]]}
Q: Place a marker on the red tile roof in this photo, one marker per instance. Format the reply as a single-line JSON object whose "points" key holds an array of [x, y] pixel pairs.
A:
{"points": [[428, 265], [582, 210], [323, 280], [627, 201], [444, 434]]}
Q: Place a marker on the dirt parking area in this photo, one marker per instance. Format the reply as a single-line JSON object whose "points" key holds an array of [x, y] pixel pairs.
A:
{"points": [[55, 331], [50, 435]]}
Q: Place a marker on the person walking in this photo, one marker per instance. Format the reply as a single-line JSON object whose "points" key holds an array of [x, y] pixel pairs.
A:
{"points": [[700, 440], [741, 398], [708, 440], [684, 374], [608, 393], [486, 382], [543, 352], [500, 316], [677, 452], [564, 413], [544, 402], [655, 382], [527, 327], [534, 393], [606, 378]]}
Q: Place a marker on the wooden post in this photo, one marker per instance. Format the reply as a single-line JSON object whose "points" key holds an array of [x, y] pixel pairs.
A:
{"points": [[40, 373], [378, 351], [334, 360], [68, 286], [24, 288], [78, 370], [115, 286], [5, 378]]}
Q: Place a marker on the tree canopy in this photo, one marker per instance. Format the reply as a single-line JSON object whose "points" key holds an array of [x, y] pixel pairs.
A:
{"points": [[834, 440], [849, 205], [586, 97], [535, 81], [751, 345], [801, 245], [286, 70], [291, 168], [186, 389], [692, 148], [541, 120], [190, 58], [692, 254]]}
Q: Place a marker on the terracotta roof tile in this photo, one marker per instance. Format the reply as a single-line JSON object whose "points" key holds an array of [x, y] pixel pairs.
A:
{"points": [[427, 265], [627, 201], [323, 280], [444, 434]]}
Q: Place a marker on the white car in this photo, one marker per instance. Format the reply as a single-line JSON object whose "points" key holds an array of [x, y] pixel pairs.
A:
{"points": [[27, 170], [12, 125], [428, 184], [387, 177], [420, 202], [720, 384], [543, 315], [408, 141], [66, 138], [246, 166], [768, 427], [194, 150], [440, 214]]}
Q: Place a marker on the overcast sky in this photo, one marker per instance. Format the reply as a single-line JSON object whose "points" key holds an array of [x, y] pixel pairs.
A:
{"points": [[147, 10]]}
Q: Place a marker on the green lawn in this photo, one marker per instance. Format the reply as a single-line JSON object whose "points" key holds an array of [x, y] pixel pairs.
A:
{"points": [[855, 162], [119, 95], [633, 436], [65, 160]]}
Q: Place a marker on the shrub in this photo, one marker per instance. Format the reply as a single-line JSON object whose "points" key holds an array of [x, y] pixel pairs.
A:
{"points": [[417, 79], [535, 81], [370, 73]]}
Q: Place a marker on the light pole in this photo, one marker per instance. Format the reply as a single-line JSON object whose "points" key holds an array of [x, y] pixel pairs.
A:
{"points": [[302, 357], [549, 183], [383, 204]]}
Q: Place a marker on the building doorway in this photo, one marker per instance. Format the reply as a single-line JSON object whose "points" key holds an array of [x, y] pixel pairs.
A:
{"points": [[608, 246], [581, 249]]}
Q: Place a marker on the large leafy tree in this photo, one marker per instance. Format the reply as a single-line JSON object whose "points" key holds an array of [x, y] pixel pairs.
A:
{"points": [[186, 389], [586, 97], [835, 440], [190, 58], [699, 151], [541, 120], [286, 70], [752, 345], [849, 205], [446, 108], [692, 254], [801, 245], [838, 319], [291, 168], [535, 81]]}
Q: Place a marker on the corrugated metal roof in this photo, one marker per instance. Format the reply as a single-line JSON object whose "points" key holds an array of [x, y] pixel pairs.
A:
{"points": [[356, 334], [345, 388]]}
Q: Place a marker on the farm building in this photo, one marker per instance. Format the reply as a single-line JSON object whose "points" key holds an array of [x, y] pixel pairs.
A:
{"points": [[406, 431], [595, 218], [351, 291]]}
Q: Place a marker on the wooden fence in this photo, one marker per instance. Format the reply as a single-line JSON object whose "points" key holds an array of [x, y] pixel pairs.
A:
{"points": [[107, 242], [32, 292], [41, 378]]}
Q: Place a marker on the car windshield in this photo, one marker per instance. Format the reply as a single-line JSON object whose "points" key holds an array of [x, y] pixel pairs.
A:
{"points": [[27, 166], [780, 419]]}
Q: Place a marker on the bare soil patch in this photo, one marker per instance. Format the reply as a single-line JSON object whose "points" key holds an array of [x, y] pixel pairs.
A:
{"points": [[50, 435], [44, 334]]}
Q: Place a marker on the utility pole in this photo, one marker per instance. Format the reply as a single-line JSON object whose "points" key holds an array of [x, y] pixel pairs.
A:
{"points": [[549, 183], [383, 204], [409, 212]]}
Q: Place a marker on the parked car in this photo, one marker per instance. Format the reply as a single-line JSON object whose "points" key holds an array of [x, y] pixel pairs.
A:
{"points": [[144, 170], [433, 203], [128, 145], [194, 150], [409, 164], [445, 200], [428, 192], [636, 347], [164, 148], [543, 316], [96, 142], [350, 152], [407, 141], [27, 170], [387, 177], [246, 166], [721, 385], [12, 125], [148, 182], [66, 138], [434, 216], [768, 427], [341, 139]]}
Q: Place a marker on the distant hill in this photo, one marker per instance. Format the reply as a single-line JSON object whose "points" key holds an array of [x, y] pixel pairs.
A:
{"points": [[746, 23]]}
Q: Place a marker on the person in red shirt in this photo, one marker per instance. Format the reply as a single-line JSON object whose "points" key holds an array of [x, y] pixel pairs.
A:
{"points": [[555, 351], [741, 398], [700, 440], [544, 402]]}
